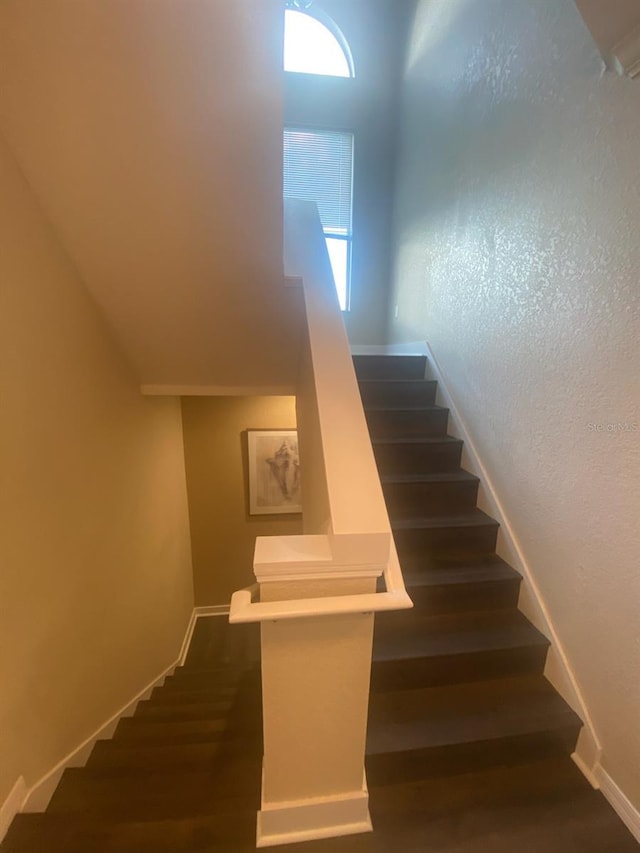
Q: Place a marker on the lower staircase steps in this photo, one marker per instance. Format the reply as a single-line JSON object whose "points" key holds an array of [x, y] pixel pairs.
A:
{"points": [[180, 792], [147, 729], [141, 757], [187, 709]]}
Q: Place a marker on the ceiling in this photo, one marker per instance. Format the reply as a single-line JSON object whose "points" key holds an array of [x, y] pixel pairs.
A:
{"points": [[151, 134]]}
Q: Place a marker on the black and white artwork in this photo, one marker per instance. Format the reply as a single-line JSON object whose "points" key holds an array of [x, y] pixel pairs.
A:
{"points": [[274, 472]]}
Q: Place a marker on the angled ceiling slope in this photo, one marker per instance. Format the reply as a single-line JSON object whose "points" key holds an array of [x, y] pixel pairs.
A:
{"points": [[151, 135], [615, 27]]}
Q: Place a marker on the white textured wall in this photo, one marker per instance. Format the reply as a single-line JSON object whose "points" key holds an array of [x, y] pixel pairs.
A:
{"points": [[518, 258]]}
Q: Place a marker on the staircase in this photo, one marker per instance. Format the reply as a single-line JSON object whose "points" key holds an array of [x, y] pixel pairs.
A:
{"points": [[183, 774], [457, 682], [468, 744]]}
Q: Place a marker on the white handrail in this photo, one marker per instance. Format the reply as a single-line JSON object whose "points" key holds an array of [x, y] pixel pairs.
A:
{"points": [[346, 499]]}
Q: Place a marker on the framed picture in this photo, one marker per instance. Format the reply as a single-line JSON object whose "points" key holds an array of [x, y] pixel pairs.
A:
{"points": [[274, 471]]}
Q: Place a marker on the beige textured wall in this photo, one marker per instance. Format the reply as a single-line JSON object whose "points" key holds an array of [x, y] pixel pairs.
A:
{"points": [[609, 22], [518, 258], [222, 531], [96, 586]]}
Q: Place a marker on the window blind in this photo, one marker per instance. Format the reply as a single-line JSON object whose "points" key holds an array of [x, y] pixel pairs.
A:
{"points": [[318, 166]]}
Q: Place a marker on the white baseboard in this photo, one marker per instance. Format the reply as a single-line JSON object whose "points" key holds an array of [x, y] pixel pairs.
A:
{"points": [[586, 769], [213, 610], [310, 820], [40, 794], [36, 799], [558, 669], [188, 635], [12, 805], [587, 756], [619, 801]]}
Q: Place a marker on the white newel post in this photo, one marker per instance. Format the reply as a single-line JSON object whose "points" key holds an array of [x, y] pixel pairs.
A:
{"points": [[315, 681]]}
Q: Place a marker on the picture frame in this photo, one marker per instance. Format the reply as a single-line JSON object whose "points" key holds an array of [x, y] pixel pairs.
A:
{"points": [[274, 472]]}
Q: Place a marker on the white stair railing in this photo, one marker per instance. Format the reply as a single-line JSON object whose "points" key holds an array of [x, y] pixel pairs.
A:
{"points": [[316, 593]]}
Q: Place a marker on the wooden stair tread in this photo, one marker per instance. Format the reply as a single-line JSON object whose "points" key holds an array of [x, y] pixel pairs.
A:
{"points": [[456, 634], [433, 440], [392, 366], [148, 729], [538, 805], [466, 713], [77, 834], [403, 407], [222, 676], [154, 709], [195, 682], [434, 477], [396, 381], [177, 695], [146, 757], [475, 518], [175, 792], [192, 734], [461, 575], [421, 735]]}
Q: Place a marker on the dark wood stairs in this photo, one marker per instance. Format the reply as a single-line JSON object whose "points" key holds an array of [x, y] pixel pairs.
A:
{"points": [[457, 682], [468, 745], [458, 692], [182, 774]]}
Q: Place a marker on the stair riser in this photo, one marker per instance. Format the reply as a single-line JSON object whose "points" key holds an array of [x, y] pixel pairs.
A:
{"points": [[63, 834], [139, 729], [184, 711], [187, 680], [175, 694], [99, 802], [389, 366], [479, 539], [465, 598], [155, 758], [110, 791], [388, 423], [417, 458], [392, 768], [455, 669], [398, 393], [444, 498]]}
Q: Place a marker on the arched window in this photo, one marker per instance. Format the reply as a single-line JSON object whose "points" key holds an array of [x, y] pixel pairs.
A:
{"points": [[313, 44]]}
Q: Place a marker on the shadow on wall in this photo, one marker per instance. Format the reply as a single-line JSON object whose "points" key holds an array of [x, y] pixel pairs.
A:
{"points": [[457, 140], [223, 532]]}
